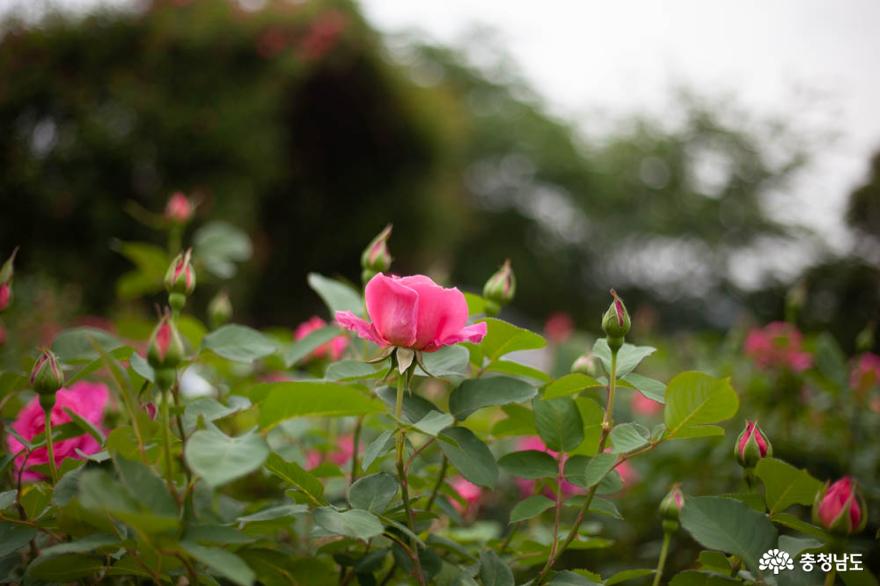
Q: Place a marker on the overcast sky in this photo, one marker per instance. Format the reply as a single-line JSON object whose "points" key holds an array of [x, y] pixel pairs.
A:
{"points": [[814, 61]]}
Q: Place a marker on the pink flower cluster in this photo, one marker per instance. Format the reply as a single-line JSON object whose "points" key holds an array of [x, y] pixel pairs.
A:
{"points": [[86, 399], [334, 349], [778, 345], [866, 373], [342, 453]]}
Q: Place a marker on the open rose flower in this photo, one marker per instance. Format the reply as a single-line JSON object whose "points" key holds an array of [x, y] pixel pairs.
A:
{"points": [[332, 349], [470, 493], [778, 345], [86, 399], [413, 312]]}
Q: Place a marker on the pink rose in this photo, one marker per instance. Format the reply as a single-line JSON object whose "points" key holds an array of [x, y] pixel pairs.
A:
{"points": [[340, 455], [178, 209], [866, 374], [778, 345], [840, 508], [644, 406], [559, 327], [86, 399], [469, 492], [413, 312], [332, 349]]}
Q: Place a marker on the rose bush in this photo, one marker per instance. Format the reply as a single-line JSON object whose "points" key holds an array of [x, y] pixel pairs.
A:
{"points": [[414, 437]]}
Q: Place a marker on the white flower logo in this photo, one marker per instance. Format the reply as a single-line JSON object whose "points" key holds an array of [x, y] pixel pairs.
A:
{"points": [[776, 560]]}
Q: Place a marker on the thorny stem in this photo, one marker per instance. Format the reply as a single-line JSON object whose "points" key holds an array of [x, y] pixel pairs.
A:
{"points": [[661, 563], [558, 506], [607, 423], [404, 485]]}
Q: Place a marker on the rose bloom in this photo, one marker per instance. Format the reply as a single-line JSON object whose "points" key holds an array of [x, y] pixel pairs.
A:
{"points": [[413, 312], [333, 349], [468, 491], [644, 406], [559, 327], [179, 208], [342, 453], [86, 399], [778, 345]]}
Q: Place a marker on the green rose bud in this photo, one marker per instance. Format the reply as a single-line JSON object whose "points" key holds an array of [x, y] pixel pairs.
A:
{"points": [[219, 309], [376, 258], [670, 507], [500, 289], [752, 445], [586, 364], [165, 350], [616, 322], [47, 377], [181, 277]]}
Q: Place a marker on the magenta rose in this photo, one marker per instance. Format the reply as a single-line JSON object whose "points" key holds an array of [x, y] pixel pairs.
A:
{"points": [[413, 312], [778, 345], [86, 399]]}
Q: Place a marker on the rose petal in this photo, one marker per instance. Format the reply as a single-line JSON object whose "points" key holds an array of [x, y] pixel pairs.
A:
{"points": [[393, 307], [362, 328], [442, 312]]}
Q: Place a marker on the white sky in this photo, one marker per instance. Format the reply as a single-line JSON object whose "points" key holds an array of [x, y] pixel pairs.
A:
{"points": [[814, 61]]}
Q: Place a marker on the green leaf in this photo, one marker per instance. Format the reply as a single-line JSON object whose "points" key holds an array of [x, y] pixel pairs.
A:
{"points": [[221, 562], [207, 409], [697, 578], [628, 357], [694, 399], [294, 474], [831, 361], [597, 468], [86, 544], [627, 575], [653, 389], [569, 578], [337, 296], [714, 560], [627, 437], [218, 246], [591, 414], [530, 464], [470, 456], [517, 369], [373, 493], [101, 493], [64, 568], [794, 546], [503, 338], [494, 572], [285, 400], [352, 370], [272, 513], [569, 385], [785, 485], [79, 344], [559, 423], [730, 526], [239, 343], [379, 446], [14, 536], [356, 523], [793, 522], [145, 486], [150, 263], [219, 459], [605, 507], [415, 408], [519, 421], [474, 394], [434, 422], [530, 507], [447, 362], [299, 349]]}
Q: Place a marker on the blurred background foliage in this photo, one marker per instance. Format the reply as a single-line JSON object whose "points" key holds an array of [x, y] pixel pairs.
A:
{"points": [[308, 130]]}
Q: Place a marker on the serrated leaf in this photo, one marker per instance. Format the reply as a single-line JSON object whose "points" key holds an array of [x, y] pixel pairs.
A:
{"points": [[559, 423], [379, 446], [352, 370], [569, 385], [474, 394], [448, 362], [219, 458], [628, 357], [627, 575], [356, 523], [299, 349], [218, 246], [434, 422], [653, 389], [530, 507], [516, 369], [493, 571], [503, 338], [285, 400], [530, 464], [239, 343], [374, 492], [64, 568], [272, 513], [337, 296], [470, 456], [221, 562], [694, 399], [294, 474], [627, 437], [597, 468], [785, 485], [84, 344]]}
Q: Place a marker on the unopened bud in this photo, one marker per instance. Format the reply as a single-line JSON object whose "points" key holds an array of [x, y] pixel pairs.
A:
{"points": [[616, 322], [840, 508], [179, 208], [586, 364], [180, 276], [752, 445], [671, 505], [166, 348], [376, 258], [47, 376], [501, 287], [220, 309]]}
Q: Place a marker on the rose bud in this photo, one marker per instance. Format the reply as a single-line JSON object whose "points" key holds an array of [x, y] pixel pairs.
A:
{"points": [[47, 377], [586, 364], [219, 309], [752, 445], [376, 258], [500, 288], [181, 277], [165, 350], [616, 322], [840, 508], [670, 508], [179, 208]]}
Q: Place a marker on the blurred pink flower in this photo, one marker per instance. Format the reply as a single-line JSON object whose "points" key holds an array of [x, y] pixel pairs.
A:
{"points": [[413, 312], [332, 349], [526, 486], [341, 454], [323, 35], [628, 474], [866, 373], [468, 491], [778, 345], [86, 399], [5, 295], [179, 209], [644, 406], [559, 327]]}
